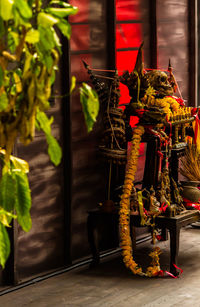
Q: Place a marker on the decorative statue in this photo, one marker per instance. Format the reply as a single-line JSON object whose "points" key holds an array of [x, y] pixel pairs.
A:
{"points": [[165, 184], [177, 197], [154, 203], [134, 203], [158, 80]]}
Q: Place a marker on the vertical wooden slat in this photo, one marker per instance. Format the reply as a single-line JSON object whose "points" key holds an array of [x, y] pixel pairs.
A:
{"points": [[67, 161], [198, 57], [111, 34], [153, 33], [192, 51], [10, 273]]}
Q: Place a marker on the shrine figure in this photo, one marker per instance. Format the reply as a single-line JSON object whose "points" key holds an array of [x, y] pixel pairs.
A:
{"points": [[134, 203], [154, 204], [165, 187], [177, 197]]}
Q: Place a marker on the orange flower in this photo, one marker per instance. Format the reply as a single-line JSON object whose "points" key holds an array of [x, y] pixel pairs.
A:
{"points": [[124, 212]]}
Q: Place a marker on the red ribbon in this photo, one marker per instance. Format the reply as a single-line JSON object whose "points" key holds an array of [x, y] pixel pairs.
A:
{"points": [[163, 208], [181, 271], [172, 275], [179, 100], [159, 238], [188, 203]]}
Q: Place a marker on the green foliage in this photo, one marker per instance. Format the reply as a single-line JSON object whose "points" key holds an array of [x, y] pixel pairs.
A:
{"points": [[23, 200], [6, 217], [30, 52], [65, 28], [7, 189], [15, 195], [23, 8], [73, 84], [6, 7], [54, 150], [32, 36], [4, 245], [90, 103], [3, 101], [1, 76]]}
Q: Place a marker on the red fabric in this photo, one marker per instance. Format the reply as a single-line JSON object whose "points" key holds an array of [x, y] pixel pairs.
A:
{"points": [[127, 36], [128, 10], [83, 11], [189, 204]]}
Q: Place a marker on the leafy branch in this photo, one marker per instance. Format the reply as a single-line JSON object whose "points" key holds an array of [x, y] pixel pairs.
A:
{"points": [[30, 50]]}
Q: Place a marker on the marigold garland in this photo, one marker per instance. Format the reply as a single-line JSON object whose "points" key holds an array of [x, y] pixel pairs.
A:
{"points": [[124, 213], [168, 104]]}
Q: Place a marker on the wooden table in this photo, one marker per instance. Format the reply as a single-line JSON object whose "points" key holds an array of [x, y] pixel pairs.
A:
{"points": [[98, 221], [174, 224]]}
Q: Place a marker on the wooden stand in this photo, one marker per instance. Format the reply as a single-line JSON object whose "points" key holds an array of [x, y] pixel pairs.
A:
{"points": [[98, 220]]}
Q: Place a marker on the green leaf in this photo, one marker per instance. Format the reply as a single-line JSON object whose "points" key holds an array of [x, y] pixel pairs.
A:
{"points": [[23, 201], [73, 9], [1, 76], [6, 9], [32, 36], [27, 64], [18, 82], [6, 217], [30, 2], [61, 12], [18, 164], [19, 19], [73, 84], [53, 76], [44, 122], [3, 101], [24, 9], [54, 150], [46, 39], [65, 28], [90, 104], [13, 40], [46, 20], [48, 60], [7, 192], [2, 29], [4, 245]]}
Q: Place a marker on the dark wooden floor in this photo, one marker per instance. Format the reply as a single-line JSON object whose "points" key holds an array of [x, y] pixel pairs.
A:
{"points": [[111, 284]]}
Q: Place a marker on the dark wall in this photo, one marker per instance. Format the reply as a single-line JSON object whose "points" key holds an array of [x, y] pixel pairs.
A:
{"points": [[173, 39], [88, 173], [43, 247]]}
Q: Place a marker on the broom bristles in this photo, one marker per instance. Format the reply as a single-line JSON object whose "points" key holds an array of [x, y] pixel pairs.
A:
{"points": [[190, 163]]}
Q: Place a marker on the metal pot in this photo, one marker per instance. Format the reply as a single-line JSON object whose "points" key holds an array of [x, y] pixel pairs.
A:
{"points": [[190, 190]]}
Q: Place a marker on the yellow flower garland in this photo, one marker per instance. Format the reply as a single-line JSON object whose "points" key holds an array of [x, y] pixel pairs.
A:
{"points": [[124, 213], [168, 104]]}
